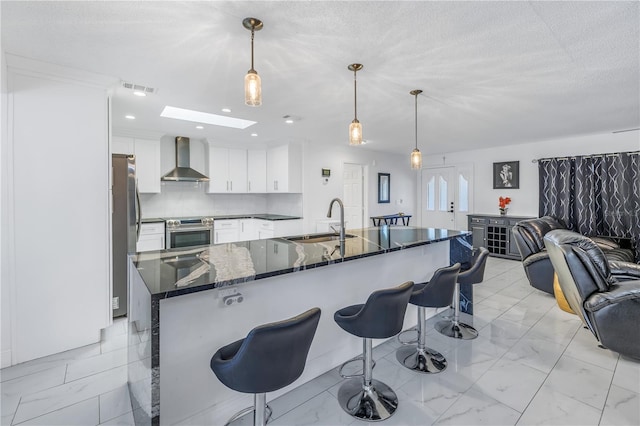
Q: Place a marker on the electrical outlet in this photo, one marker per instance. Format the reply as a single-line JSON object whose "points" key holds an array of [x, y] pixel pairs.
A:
{"points": [[227, 291], [115, 303], [230, 300]]}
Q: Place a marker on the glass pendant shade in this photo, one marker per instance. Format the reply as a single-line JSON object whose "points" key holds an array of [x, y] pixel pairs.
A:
{"points": [[416, 155], [355, 128], [252, 89], [252, 83], [416, 159], [355, 133]]}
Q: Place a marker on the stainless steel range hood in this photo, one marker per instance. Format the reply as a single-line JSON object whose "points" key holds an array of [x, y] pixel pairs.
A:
{"points": [[183, 172]]}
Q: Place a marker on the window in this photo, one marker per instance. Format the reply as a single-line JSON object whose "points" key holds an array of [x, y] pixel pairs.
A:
{"points": [[463, 193], [431, 194], [442, 205]]}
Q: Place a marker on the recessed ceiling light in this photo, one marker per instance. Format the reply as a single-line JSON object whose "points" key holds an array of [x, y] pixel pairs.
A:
{"points": [[226, 110], [205, 117], [254, 134], [199, 127], [290, 119], [139, 93], [130, 117]]}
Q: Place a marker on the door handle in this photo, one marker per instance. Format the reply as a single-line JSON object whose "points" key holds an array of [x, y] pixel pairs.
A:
{"points": [[451, 209]]}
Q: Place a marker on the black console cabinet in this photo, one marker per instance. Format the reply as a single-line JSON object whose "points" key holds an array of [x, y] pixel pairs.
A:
{"points": [[494, 233]]}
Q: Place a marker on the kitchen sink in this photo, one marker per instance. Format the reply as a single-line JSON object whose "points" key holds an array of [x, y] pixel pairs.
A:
{"points": [[317, 238]]}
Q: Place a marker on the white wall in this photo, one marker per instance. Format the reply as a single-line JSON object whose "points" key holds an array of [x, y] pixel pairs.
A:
{"points": [[318, 195], [5, 296], [525, 199]]}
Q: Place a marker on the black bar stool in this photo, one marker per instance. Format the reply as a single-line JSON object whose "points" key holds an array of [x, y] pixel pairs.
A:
{"points": [[271, 357], [437, 293], [380, 317], [474, 275]]}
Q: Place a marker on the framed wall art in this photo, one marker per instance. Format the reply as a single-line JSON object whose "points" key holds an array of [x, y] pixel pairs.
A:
{"points": [[506, 175], [384, 187]]}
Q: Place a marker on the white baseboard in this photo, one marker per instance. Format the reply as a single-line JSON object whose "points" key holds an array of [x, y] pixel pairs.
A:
{"points": [[5, 359]]}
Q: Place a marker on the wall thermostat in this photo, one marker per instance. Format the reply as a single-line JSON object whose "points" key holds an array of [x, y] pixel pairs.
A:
{"points": [[326, 173]]}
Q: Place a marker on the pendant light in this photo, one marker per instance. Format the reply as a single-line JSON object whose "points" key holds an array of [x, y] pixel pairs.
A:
{"points": [[416, 156], [252, 84], [355, 129]]}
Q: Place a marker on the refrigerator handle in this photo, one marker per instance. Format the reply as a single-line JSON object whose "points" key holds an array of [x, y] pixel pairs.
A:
{"points": [[139, 213]]}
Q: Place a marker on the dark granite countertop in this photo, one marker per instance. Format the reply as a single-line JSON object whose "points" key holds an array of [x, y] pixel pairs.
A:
{"points": [[173, 272], [264, 216]]}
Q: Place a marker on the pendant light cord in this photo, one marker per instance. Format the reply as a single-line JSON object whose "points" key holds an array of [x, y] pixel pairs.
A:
{"points": [[355, 95], [416, 121], [252, 50]]}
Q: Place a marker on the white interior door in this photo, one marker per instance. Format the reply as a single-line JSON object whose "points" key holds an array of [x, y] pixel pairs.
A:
{"points": [[353, 195], [446, 196], [438, 195]]}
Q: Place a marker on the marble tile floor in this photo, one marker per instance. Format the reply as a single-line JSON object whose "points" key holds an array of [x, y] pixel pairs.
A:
{"points": [[531, 364]]}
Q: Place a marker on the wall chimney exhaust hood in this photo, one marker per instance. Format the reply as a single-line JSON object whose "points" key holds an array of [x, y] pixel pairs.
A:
{"points": [[183, 172]]}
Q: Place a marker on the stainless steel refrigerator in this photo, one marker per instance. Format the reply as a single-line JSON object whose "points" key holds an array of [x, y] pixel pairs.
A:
{"points": [[125, 221]]}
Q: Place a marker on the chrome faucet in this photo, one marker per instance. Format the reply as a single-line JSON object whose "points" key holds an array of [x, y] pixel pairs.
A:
{"points": [[339, 201]]}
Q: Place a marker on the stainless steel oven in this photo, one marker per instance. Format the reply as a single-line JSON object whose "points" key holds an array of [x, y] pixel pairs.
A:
{"points": [[188, 232]]}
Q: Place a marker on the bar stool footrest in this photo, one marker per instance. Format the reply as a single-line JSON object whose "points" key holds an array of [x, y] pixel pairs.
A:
{"points": [[408, 342], [248, 410], [352, 376]]}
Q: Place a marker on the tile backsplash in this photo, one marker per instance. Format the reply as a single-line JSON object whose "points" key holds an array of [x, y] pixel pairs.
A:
{"points": [[184, 199]]}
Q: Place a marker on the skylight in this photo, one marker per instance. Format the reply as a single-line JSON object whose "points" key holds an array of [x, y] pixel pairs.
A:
{"points": [[205, 117]]}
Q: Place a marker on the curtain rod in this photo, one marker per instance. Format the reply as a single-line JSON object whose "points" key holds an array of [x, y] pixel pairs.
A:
{"points": [[612, 154]]}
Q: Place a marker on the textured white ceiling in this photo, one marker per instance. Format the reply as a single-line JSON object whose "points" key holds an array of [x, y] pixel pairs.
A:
{"points": [[493, 73]]}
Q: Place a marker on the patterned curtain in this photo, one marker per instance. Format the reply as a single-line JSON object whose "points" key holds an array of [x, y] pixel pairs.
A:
{"points": [[594, 195]]}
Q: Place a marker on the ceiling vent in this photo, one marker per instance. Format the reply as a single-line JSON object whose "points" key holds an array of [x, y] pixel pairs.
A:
{"points": [[139, 88]]}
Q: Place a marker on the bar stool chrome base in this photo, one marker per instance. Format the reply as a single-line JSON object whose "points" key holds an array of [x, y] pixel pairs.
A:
{"points": [[259, 418], [457, 330], [425, 361], [372, 403]]}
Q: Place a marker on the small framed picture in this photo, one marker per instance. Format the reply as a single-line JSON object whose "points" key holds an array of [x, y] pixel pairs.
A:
{"points": [[384, 188], [506, 175]]}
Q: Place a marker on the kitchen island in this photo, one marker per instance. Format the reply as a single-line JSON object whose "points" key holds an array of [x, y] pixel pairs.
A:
{"points": [[186, 303]]}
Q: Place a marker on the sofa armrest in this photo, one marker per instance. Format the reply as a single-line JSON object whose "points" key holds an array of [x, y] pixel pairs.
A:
{"points": [[620, 292], [536, 257], [625, 270]]}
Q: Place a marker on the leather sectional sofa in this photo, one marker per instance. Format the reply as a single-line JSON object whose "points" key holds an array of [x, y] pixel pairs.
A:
{"points": [[529, 236]]}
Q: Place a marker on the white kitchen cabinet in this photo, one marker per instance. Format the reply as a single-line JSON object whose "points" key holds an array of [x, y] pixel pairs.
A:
{"points": [[257, 171], [59, 131], [284, 168], [226, 231], [148, 173], [152, 237], [247, 230], [122, 145], [147, 154], [227, 170], [265, 228], [278, 228]]}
